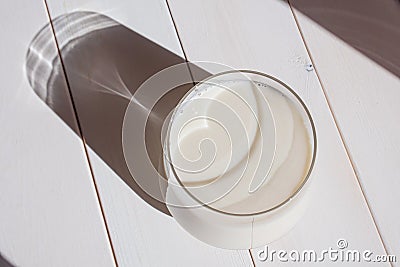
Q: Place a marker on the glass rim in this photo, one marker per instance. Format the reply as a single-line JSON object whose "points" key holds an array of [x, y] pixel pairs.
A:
{"points": [[312, 162]]}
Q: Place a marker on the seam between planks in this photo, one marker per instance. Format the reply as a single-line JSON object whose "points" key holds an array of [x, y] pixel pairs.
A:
{"points": [[80, 132], [356, 173]]}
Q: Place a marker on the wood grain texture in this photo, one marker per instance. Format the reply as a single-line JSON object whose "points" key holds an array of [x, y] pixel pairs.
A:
{"points": [[49, 210], [263, 36], [141, 235], [364, 98]]}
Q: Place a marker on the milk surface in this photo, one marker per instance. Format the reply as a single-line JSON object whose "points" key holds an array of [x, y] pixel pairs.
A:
{"points": [[240, 147]]}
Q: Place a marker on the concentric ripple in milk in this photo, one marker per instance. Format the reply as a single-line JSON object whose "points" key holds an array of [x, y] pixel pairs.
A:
{"points": [[240, 147]]}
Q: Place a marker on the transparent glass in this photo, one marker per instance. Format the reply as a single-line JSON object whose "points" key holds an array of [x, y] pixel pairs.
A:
{"points": [[254, 142]]}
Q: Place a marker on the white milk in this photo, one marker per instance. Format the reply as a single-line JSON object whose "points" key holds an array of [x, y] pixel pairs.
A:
{"points": [[242, 148]]}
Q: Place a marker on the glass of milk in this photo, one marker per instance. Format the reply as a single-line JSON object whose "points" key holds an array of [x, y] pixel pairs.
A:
{"points": [[238, 154]]}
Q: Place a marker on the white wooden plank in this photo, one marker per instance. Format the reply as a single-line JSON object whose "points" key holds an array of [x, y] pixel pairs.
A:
{"points": [[263, 36], [141, 235], [49, 210], [364, 98]]}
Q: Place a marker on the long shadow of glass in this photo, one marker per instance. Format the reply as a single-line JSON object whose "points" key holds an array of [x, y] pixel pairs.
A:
{"points": [[104, 63], [371, 27]]}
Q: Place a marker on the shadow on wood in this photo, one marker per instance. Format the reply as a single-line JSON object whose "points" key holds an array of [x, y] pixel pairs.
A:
{"points": [[4, 262], [371, 27], [103, 64]]}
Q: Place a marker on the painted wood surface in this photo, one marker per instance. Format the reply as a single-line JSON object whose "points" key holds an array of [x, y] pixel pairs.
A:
{"points": [[49, 210], [364, 99]]}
